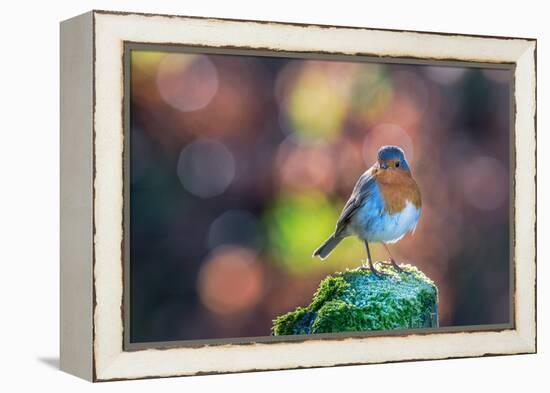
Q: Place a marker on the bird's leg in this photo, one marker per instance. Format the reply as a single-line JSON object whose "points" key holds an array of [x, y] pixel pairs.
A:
{"points": [[392, 261], [371, 265]]}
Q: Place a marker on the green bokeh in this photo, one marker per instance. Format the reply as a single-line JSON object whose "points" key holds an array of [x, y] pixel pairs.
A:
{"points": [[299, 223], [372, 92], [314, 110]]}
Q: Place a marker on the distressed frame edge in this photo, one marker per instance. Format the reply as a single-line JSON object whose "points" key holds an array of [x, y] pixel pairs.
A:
{"points": [[527, 338], [303, 24], [76, 207], [525, 194]]}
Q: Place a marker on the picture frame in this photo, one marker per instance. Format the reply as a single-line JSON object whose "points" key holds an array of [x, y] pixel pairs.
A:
{"points": [[94, 343]]}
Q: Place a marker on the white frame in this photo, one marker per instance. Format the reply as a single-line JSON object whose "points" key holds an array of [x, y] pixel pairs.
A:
{"points": [[92, 230]]}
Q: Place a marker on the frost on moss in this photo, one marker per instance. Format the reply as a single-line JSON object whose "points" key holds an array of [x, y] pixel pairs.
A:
{"points": [[358, 300]]}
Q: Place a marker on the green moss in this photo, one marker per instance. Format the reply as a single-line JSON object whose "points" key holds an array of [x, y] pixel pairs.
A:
{"points": [[329, 289], [284, 325], [358, 300]]}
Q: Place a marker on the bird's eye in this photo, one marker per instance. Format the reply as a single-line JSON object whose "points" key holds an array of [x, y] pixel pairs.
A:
{"points": [[397, 164]]}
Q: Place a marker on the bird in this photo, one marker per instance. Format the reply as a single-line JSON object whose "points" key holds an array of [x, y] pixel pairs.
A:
{"points": [[384, 206]]}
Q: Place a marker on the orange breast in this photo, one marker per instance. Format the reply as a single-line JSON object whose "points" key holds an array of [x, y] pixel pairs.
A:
{"points": [[398, 187]]}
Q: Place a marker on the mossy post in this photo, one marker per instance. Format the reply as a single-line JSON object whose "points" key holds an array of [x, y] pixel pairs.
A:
{"points": [[359, 300]]}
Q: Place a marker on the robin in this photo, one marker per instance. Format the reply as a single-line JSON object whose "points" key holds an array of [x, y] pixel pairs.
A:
{"points": [[384, 206]]}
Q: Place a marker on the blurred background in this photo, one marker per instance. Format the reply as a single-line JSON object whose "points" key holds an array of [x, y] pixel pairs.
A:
{"points": [[240, 166]]}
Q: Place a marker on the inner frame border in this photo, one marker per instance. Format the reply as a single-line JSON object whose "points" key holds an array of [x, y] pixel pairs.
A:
{"points": [[129, 46]]}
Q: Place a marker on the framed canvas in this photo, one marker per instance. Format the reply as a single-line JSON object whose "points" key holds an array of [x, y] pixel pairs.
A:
{"points": [[245, 195]]}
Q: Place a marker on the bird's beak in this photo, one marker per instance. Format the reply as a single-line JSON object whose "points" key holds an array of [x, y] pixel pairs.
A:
{"points": [[384, 165]]}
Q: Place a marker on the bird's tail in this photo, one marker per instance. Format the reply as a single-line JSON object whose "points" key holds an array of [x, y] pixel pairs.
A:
{"points": [[327, 247]]}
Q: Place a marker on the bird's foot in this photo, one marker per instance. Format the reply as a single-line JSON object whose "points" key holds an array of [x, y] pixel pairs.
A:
{"points": [[371, 267], [394, 265]]}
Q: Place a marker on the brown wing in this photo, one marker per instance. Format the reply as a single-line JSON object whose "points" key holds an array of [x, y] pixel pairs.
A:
{"points": [[361, 191]]}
